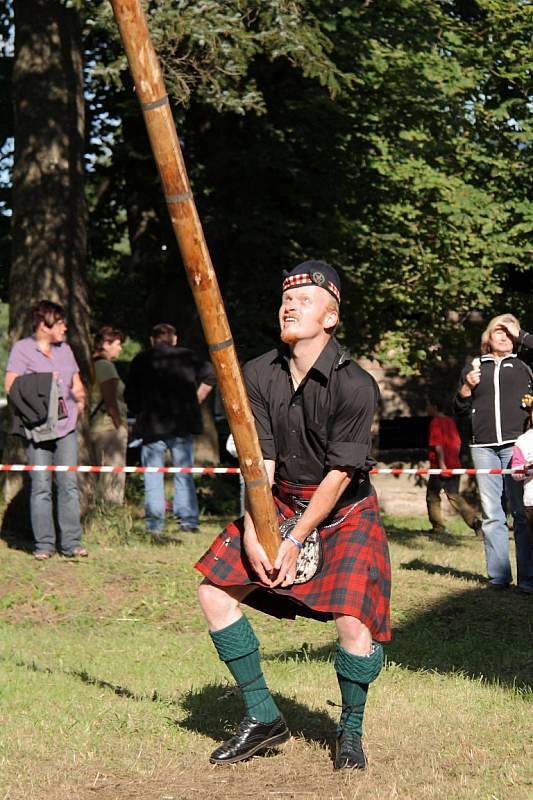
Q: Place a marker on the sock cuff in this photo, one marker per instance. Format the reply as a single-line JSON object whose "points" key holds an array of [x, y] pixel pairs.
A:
{"points": [[361, 669], [235, 641]]}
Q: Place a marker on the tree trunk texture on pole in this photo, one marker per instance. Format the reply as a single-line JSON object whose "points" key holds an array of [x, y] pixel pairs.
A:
{"points": [[150, 88], [49, 223]]}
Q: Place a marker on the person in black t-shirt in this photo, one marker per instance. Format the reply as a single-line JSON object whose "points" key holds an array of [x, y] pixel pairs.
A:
{"points": [[313, 409], [166, 385]]}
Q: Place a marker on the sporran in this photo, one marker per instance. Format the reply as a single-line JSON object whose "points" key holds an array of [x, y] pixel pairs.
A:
{"points": [[310, 557]]}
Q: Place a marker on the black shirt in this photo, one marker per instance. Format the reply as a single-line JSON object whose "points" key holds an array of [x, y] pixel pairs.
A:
{"points": [[161, 391], [324, 424]]}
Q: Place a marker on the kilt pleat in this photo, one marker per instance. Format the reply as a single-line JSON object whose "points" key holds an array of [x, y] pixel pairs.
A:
{"points": [[354, 580]]}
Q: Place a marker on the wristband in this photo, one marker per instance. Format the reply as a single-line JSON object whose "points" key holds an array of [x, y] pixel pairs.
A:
{"points": [[292, 539]]}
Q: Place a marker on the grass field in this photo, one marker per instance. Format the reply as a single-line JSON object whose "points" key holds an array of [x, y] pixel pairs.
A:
{"points": [[111, 688]]}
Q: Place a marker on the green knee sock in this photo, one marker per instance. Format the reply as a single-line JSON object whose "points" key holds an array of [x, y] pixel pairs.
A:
{"points": [[354, 673], [238, 647]]}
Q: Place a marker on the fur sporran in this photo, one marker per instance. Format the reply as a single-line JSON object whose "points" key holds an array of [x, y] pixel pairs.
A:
{"points": [[310, 556]]}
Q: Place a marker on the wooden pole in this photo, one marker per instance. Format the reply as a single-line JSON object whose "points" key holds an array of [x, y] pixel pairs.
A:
{"points": [[150, 88]]}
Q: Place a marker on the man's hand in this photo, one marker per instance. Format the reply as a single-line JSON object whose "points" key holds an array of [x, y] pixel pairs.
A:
{"points": [[285, 564], [257, 557]]}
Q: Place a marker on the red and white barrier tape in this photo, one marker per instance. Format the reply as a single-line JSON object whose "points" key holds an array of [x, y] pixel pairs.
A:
{"points": [[142, 470], [236, 471]]}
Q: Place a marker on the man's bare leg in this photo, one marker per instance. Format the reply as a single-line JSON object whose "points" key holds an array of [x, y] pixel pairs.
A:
{"points": [[263, 726]]}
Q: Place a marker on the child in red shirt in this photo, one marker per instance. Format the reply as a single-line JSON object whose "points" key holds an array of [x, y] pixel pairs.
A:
{"points": [[444, 446]]}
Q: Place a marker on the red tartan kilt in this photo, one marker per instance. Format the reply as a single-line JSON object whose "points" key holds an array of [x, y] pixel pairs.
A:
{"points": [[354, 580]]}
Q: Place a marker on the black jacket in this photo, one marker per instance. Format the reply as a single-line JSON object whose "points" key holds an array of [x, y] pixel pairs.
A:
{"points": [[494, 406], [161, 391], [30, 395]]}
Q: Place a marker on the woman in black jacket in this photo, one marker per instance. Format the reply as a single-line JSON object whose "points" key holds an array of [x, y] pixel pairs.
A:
{"points": [[490, 392]]}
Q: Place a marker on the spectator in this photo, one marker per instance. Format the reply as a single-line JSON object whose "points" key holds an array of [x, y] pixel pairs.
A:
{"points": [[109, 423], [444, 448], [523, 458], [165, 387], [45, 360], [489, 392]]}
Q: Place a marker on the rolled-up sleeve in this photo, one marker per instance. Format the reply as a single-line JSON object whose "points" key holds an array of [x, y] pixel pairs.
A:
{"points": [[261, 413], [350, 432]]}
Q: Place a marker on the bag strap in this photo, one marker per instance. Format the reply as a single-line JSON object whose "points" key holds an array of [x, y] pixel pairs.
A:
{"points": [[96, 410]]}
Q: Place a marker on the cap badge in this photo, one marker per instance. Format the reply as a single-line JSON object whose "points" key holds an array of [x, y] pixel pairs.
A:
{"points": [[318, 278]]}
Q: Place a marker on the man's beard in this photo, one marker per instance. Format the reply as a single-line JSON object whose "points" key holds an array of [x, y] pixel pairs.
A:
{"points": [[288, 336]]}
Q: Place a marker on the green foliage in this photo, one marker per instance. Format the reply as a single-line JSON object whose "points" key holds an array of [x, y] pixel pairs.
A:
{"points": [[392, 138], [440, 130], [206, 48]]}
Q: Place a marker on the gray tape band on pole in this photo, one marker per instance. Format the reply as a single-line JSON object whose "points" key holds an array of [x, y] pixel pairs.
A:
{"points": [[178, 198], [220, 345], [253, 484], [163, 101]]}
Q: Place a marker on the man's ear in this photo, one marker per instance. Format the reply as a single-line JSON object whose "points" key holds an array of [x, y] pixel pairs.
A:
{"points": [[332, 318]]}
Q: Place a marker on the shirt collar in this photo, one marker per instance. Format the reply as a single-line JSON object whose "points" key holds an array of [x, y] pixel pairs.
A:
{"points": [[324, 362], [36, 344], [490, 357]]}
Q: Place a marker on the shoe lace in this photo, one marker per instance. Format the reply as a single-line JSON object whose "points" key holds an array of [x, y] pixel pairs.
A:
{"points": [[347, 710], [247, 687]]}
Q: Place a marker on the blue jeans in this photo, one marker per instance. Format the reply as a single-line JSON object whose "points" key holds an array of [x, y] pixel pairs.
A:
{"points": [[185, 505], [495, 531], [56, 451]]}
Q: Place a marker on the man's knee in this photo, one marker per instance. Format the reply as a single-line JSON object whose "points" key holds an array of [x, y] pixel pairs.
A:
{"points": [[354, 635], [220, 605]]}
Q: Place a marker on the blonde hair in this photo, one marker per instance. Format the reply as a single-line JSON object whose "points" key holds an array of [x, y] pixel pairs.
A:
{"points": [[496, 322]]}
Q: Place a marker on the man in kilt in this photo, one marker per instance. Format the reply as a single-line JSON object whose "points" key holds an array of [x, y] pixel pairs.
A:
{"points": [[313, 409]]}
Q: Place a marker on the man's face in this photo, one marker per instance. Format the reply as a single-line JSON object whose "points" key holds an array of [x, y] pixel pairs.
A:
{"points": [[305, 313], [500, 342], [56, 333]]}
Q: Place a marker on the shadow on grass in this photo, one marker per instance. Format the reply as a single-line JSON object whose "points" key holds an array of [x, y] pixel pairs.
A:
{"points": [[92, 680], [16, 529], [437, 569], [480, 633], [215, 712], [407, 536]]}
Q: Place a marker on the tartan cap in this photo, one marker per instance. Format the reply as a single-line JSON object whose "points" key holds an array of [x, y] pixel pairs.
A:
{"points": [[313, 273]]}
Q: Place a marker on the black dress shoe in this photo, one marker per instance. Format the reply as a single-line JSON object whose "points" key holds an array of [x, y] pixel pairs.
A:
{"points": [[251, 737], [349, 751]]}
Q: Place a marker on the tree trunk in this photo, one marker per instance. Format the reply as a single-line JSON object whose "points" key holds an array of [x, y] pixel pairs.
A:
{"points": [[49, 224]]}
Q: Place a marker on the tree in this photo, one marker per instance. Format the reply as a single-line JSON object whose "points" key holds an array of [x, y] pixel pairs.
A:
{"points": [[437, 151], [211, 53], [49, 222], [49, 211]]}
